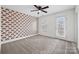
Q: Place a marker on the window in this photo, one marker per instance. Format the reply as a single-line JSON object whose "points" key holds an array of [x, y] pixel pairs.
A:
{"points": [[60, 26]]}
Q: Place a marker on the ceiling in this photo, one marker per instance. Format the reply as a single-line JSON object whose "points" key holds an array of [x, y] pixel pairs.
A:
{"points": [[27, 9]]}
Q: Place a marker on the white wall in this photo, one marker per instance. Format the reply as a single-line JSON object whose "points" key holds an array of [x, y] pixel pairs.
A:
{"points": [[34, 26], [0, 29], [77, 12], [49, 24], [78, 28]]}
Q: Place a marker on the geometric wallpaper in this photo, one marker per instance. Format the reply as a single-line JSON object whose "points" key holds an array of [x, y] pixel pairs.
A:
{"points": [[15, 24]]}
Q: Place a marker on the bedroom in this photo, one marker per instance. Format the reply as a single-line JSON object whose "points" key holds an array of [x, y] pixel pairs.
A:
{"points": [[39, 29]]}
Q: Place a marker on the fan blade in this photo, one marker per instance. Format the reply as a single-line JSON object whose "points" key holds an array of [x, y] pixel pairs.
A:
{"points": [[43, 11], [37, 7], [33, 10], [45, 7]]}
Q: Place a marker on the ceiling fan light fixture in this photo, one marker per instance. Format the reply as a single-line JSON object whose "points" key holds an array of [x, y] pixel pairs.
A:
{"points": [[40, 9]]}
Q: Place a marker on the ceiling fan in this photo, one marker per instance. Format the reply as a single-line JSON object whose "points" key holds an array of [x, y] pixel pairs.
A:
{"points": [[40, 8]]}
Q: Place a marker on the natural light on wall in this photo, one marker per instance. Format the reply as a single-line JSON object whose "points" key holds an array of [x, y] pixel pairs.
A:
{"points": [[60, 26]]}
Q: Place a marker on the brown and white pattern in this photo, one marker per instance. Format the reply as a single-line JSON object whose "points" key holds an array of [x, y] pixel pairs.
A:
{"points": [[15, 24]]}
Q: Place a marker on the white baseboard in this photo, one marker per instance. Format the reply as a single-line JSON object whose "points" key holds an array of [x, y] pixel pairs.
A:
{"points": [[17, 39], [57, 38]]}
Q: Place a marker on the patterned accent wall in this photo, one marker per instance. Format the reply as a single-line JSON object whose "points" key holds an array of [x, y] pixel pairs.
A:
{"points": [[15, 24]]}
